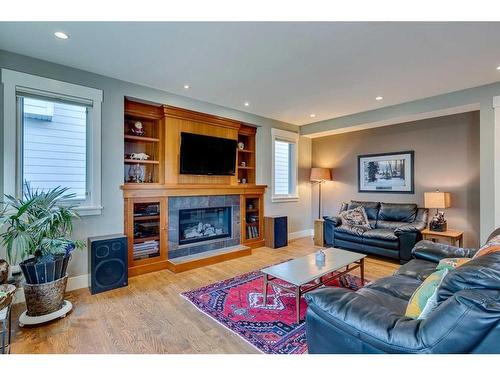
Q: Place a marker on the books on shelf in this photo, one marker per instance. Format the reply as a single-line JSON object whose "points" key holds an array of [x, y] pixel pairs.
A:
{"points": [[252, 231], [147, 248]]}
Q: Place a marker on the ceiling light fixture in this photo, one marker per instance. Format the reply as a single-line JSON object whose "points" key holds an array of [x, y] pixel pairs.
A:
{"points": [[313, 115], [187, 87], [379, 98], [61, 35], [246, 104], [498, 67]]}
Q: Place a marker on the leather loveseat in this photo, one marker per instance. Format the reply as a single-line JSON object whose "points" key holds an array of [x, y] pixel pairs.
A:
{"points": [[372, 320], [395, 229]]}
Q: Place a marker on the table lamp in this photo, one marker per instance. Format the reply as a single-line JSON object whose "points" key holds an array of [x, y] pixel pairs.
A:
{"points": [[320, 175], [437, 199]]}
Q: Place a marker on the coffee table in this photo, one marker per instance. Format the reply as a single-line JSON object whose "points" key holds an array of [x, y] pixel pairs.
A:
{"points": [[305, 274]]}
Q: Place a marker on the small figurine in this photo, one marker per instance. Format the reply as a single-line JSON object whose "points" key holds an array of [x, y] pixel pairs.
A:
{"points": [[243, 180], [139, 156], [241, 145], [137, 129], [243, 164]]}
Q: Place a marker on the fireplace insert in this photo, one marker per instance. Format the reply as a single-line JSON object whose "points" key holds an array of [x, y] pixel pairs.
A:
{"points": [[204, 224]]}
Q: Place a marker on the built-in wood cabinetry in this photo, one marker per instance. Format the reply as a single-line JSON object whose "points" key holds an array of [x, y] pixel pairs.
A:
{"points": [[151, 182]]}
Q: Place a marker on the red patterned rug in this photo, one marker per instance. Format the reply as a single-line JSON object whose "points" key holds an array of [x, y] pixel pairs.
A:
{"points": [[236, 303]]}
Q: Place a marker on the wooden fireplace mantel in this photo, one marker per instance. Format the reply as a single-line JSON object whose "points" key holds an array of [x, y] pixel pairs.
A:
{"points": [[158, 190]]}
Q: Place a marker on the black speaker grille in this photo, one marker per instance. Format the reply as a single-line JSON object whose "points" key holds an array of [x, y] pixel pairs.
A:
{"points": [[109, 273]]}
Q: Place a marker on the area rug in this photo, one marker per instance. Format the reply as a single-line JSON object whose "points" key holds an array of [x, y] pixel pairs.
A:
{"points": [[237, 304]]}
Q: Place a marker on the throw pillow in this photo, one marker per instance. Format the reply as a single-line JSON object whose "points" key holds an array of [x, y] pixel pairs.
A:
{"points": [[451, 263], [491, 246], [356, 216], [424, 292]]}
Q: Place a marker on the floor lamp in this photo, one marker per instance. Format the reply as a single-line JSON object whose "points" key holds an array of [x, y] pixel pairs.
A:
{"points": [[319, 176]]}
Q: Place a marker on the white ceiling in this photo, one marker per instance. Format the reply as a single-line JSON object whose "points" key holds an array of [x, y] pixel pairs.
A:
{"points": [[285, 70]]}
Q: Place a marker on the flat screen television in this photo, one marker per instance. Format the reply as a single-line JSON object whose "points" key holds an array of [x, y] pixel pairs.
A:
{"points": [[204, 155]]}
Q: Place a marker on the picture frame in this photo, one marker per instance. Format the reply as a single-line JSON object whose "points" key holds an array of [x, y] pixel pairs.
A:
{"points": [[390, 172]]}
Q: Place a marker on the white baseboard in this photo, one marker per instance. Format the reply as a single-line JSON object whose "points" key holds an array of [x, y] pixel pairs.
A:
{"points": [[300, 234]]}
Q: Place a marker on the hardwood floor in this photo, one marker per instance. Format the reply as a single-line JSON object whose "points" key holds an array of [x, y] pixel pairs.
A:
{"points": [[149, 316]]}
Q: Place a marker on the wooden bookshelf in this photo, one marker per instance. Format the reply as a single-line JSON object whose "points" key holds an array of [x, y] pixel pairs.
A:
{"points": [[246, 155]]}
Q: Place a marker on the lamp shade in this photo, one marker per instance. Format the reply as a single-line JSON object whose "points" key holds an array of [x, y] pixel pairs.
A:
{"points": [[321, 174], [436, 199]]}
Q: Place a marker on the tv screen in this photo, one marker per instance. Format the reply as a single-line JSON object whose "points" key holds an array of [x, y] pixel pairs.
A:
{"points": [[204, 155]]}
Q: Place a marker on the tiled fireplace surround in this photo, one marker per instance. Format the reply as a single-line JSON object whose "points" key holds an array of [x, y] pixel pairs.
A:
{"points": [[205, 201]]}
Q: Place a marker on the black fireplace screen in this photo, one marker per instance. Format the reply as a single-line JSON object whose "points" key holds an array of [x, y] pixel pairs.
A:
{"points": [[202, 224]]}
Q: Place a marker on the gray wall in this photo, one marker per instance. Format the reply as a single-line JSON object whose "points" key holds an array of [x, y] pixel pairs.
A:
{"points": [[111, 220], [446, 158], [481, 96]]}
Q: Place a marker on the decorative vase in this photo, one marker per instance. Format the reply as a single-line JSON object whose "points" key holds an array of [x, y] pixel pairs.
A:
{"points": [[43, 299], [4, 271]]}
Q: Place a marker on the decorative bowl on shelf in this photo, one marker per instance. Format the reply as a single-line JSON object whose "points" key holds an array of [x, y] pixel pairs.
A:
{"points": [[6, 294]]}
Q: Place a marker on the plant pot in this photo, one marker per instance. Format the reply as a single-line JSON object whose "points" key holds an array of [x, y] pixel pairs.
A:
{"points": [[4, 271], [45, 272], [43, 299]]}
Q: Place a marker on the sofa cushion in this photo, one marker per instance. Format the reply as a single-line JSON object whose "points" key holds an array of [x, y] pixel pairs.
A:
{"points": [[480, 273], [492, 246], [382, 224], [396, 305], [371, 208], [397, 286], [353, 230], [397, 212], [381, 234], [451, 263], [346, 235], [417, 269]]}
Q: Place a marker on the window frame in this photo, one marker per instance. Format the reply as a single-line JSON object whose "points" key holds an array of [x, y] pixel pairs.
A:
{"points": [[17, 83], [293, 139]]}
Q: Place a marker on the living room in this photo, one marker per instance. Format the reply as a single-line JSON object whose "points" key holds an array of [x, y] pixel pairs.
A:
{"points": [[310, 188]]}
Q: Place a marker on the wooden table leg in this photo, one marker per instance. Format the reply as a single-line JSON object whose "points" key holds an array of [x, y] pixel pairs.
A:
{"points": [[265, 290], [297, 303], [362, 271], [461, 241]]}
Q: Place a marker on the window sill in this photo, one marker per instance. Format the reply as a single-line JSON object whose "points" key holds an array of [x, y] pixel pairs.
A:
{"points": [[89, 210], [288, 198]]}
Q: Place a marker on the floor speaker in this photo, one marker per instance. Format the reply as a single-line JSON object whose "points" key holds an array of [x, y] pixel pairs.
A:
{"points": [[107, 262], [276, 231]]}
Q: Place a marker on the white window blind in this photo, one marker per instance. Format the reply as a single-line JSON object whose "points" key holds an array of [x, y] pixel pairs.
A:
{"points": [[54, 138], [281, 167], [284, 167]]}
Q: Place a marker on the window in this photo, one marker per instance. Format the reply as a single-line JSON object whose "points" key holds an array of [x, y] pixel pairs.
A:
{"points": [[54, 137], [54, 129], [284, 166]]}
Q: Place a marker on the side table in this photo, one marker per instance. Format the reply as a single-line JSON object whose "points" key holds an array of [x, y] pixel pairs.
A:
{"points": [[450, 237]]}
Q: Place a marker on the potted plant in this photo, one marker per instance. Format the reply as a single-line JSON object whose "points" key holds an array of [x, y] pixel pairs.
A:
{"points": [[37, 229]]}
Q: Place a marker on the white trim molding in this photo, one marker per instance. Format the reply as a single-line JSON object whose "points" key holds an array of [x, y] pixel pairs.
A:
{"points": [[300, 234], [496, 164], [15, 83], [293, 139]]}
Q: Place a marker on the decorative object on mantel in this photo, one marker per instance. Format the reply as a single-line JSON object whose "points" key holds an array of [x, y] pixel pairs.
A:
{"points": [[136, 173], [319, 176], [390, 172], [44, 225], [138, 129], [139, 156], [4, 271], [437, 200], [241, 145]]}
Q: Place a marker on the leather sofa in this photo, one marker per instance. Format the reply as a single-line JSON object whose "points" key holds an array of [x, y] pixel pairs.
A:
{"points": [[371, 320], [395, 229]]}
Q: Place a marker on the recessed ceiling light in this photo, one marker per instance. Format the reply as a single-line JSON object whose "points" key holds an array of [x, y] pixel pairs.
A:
{"points": [[379, 98], [246, 104], [61, 35], [498, 67], [312, 115], [187, 87]]}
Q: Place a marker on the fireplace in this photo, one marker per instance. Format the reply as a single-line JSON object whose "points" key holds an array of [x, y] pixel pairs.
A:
{"points": [[204, 224], [198, 224]]}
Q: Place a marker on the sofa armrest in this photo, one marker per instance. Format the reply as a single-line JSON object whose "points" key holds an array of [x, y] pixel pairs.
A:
{"points": [[415, 226], [434, 251], [332, 220]]}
